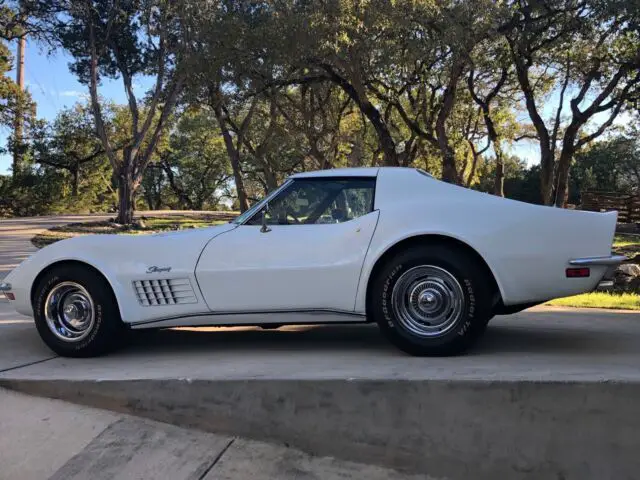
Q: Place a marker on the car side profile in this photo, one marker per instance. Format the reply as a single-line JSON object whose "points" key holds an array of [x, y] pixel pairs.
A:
{"points": [[431, 263]]}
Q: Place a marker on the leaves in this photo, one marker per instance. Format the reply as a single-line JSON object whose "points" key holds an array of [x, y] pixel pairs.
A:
{"points": [[243, 93]]}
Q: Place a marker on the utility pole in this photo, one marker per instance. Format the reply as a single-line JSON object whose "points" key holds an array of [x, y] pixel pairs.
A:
{"points": [[19, 118]]}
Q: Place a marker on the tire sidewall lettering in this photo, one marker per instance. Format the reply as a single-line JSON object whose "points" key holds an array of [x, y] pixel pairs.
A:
{"points": [[94, 331], [471, 307], [465, 324], [39, 310], [386, 293]]}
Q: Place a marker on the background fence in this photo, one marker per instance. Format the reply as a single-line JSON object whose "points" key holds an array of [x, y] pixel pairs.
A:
{"points": [[628, 206]]}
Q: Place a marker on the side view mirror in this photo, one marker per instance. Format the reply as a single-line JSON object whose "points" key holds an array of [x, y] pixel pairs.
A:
{"points": [[265, 228]]}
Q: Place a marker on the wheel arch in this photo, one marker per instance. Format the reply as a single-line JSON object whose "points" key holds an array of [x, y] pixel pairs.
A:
{"points": [[69, 262], [426, 240]]}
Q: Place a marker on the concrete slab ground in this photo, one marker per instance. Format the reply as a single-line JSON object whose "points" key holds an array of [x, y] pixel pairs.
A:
{"points": [[541, 344], [548, 393], [48, 439]]}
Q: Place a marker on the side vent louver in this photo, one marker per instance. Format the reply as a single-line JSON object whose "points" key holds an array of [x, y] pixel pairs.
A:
{"points": [[172, 291]]}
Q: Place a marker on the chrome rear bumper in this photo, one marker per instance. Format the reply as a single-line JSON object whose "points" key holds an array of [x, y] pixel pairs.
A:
{"points": [[612, 261]]}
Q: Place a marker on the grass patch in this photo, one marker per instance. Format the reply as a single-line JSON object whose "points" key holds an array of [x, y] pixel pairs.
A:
{"points": [[145, 225], [628, 245], [622, 241], [619, 301]]}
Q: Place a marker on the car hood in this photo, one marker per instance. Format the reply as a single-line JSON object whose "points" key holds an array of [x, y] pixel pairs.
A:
{"points": [[180, 248]]}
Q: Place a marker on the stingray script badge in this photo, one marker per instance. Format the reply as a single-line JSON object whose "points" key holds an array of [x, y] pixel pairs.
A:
{"points": [[155, 269]]}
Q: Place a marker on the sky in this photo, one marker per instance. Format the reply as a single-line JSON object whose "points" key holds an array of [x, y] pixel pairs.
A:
{"points": [[53, 88]]}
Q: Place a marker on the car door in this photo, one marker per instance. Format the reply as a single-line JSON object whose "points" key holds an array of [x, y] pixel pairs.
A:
{"points": [[309, 257]]}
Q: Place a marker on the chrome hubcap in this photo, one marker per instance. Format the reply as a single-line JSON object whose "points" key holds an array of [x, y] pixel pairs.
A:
{"points": [[69, 312], [427, 301]]}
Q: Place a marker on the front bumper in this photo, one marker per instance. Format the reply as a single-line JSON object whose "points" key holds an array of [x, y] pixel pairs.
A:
{"points": [[611, 262]]}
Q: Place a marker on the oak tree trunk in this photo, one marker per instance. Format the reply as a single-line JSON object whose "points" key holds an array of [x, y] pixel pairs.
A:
{"points": [[270, 178], [126, 199], [385, 139], [498, 181], [547, 167], [359, 96], [234, 158], [76, 179], [562, 189], [564, 164], [449, 171]]}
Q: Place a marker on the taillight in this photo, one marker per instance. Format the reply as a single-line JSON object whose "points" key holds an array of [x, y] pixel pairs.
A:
{"points": [[581, 272]]}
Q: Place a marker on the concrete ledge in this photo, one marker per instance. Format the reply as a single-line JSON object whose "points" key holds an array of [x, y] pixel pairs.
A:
{"points": [[453, 429]]}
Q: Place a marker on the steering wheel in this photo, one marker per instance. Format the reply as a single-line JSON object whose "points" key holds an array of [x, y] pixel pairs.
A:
{"points": [[289, 213]]}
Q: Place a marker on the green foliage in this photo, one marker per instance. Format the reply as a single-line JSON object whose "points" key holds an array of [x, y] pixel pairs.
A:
{"points": [[612, 165], [615, 301], [193, 171], [247, 93], [521, 182]]}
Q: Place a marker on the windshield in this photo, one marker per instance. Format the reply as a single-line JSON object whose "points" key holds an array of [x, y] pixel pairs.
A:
{"points": [[243, 217]]}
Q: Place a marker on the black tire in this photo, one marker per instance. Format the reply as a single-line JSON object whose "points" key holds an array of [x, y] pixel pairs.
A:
{"points": [[485, 324], [392, 311], [102, 334]]}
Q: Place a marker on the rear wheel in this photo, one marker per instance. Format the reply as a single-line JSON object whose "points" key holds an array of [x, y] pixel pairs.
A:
{"points": [[76, 312], [431, 301]]}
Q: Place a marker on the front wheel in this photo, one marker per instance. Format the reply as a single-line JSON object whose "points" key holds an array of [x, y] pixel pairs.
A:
{"points": [[431, 301], [76, 312]]}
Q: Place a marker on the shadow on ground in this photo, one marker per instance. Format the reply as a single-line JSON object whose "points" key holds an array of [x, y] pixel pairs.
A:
{"points": [[501, 337]]}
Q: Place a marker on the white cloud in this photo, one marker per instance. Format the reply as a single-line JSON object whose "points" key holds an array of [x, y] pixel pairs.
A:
{"points": [[72, 93]]}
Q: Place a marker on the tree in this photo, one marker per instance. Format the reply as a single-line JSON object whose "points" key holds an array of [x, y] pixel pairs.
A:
{"points": [[611, 165], [134, 41], [195, 163], [436, 49], [520, 182], [317, 113], [10, 95], [587, 54], [69, 143], [488, 78], [302, 43], [16, 105]]}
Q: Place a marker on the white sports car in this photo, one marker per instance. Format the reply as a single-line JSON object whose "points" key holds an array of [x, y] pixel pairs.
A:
{"points": [[430, 262]]}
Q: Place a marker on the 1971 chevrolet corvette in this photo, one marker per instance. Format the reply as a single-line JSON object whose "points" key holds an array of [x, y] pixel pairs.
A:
{"points": [[430, 262]]}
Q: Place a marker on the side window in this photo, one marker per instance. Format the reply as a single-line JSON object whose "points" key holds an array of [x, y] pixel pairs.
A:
{"points": [[317, 201]]}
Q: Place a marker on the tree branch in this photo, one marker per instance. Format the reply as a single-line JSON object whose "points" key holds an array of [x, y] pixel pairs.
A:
{"points": [[589, 138], [172, 96], [95, 103]]}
